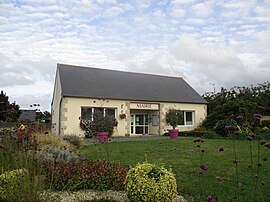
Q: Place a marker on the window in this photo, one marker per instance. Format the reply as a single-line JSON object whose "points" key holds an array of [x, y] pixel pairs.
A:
{"points": [[87, 112], [188, 118]]}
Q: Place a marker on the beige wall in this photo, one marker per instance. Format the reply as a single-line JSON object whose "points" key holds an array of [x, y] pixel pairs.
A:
{"points": [[71, 111]]}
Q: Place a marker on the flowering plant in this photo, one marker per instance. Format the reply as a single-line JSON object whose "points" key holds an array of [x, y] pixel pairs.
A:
{"points": [[99, 123], [122, 116]]}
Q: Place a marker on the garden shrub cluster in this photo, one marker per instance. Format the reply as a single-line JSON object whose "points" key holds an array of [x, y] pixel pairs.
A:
{"points": [[10, 183], [55, 154], [220, 127], [86, 174], [48, 141], [149, 182], [265, 123], [74, 140], [198, 133]]}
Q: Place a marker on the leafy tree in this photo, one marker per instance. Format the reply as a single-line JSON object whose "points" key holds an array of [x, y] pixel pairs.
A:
{"points": [[8, 111], [243, 101]]}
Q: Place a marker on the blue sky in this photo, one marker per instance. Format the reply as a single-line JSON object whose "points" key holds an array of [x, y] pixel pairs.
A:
{"points": [[226, 43]]}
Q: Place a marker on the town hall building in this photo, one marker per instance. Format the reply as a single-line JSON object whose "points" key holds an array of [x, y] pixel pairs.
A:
{"points": [[138, 101]]}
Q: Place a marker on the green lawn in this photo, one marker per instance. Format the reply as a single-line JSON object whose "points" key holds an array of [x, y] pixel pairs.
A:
{"points": [[185, 158]]}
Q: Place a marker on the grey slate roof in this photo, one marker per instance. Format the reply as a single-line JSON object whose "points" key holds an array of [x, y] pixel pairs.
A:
{"points": [[28, 115], [111, 84]]}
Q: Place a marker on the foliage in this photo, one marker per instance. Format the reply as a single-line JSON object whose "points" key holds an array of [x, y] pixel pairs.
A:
{"points": [[150, 182], [47, 141], [220, 128], [55, 154], [10, 183], [197, 132], [99, 123], [265, 123], [17, 154], [244, 101], [74, 140], [98, 175], [8, 111], [173, 117]]}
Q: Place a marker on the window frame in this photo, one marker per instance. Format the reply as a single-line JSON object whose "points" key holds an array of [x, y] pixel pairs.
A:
{"points": [[185, 120], [103, 109]]}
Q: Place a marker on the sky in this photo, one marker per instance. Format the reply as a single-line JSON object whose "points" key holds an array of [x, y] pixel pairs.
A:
{"points": [[211, 44]]}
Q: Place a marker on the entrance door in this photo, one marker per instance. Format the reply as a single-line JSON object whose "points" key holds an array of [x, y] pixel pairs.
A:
{"points": [[139, 124]]}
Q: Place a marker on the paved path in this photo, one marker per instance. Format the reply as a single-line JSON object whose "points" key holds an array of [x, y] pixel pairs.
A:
{"points": [[124, 139]]}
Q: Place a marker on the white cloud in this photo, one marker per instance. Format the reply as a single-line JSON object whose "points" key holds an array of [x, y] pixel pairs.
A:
{"points": [[224, 42], [201, 10]]}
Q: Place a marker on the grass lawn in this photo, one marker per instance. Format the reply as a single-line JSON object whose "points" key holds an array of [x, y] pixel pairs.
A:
{"points": [[185, 158]]}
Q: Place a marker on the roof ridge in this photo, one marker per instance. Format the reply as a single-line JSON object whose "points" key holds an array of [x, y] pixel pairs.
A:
{"points": [[149, 74]]}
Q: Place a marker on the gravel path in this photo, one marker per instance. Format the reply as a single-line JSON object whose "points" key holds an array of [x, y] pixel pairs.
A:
{"points": [[88, 195]]}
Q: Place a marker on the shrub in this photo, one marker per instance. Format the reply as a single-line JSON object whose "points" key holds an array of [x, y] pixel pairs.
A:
{"points": [[173, 117], [47, 141], [220, 128], [98, 175], [10, 183], [55, 154], [74, 140], [265, 123], [197, 133], [149, 182]]}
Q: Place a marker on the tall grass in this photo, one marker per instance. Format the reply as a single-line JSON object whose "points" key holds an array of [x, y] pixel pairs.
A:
{"points": [[13, 158]]}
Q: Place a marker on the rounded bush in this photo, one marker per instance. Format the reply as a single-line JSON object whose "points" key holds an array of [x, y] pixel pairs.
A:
{"points": [[10, 183], [220, 128], [149, 182]]}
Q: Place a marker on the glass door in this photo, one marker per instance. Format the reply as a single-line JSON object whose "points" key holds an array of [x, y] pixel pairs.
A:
{"points": [[139, 124]]}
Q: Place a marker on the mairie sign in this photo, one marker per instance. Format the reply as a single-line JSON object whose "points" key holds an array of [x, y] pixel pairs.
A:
{"points": [[145, 106]]}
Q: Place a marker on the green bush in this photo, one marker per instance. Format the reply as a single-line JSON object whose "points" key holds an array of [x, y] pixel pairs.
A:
{"points": [[98, 175], [149, 182], [74, 140], [265, 123], [198, 133], [220, 128], [10, 183]]}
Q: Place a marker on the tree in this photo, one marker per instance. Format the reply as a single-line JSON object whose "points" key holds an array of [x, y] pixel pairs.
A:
{"points": [[8, 111], [243, 101]]}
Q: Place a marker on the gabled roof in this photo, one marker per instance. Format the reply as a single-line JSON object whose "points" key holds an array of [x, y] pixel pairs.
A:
{"points": [[28, 115], [111, 84]]}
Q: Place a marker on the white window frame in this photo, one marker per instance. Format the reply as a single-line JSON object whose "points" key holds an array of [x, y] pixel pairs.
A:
{"points": [[104, 109], [185, 122]]}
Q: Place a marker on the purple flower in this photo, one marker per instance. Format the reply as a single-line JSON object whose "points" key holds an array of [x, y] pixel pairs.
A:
{"points": [[230, 127], [237, 133], [203, 167], [221, 149], [257, 116], [239, 118], [211, 198]]}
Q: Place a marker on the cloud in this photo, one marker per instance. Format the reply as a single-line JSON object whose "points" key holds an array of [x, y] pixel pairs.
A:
{"points": [[202, 10], [25, 101], [224, 42], [220, 64]]}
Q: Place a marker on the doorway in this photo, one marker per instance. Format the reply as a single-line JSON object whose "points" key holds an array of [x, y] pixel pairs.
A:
{"points": [[139, 124]]}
